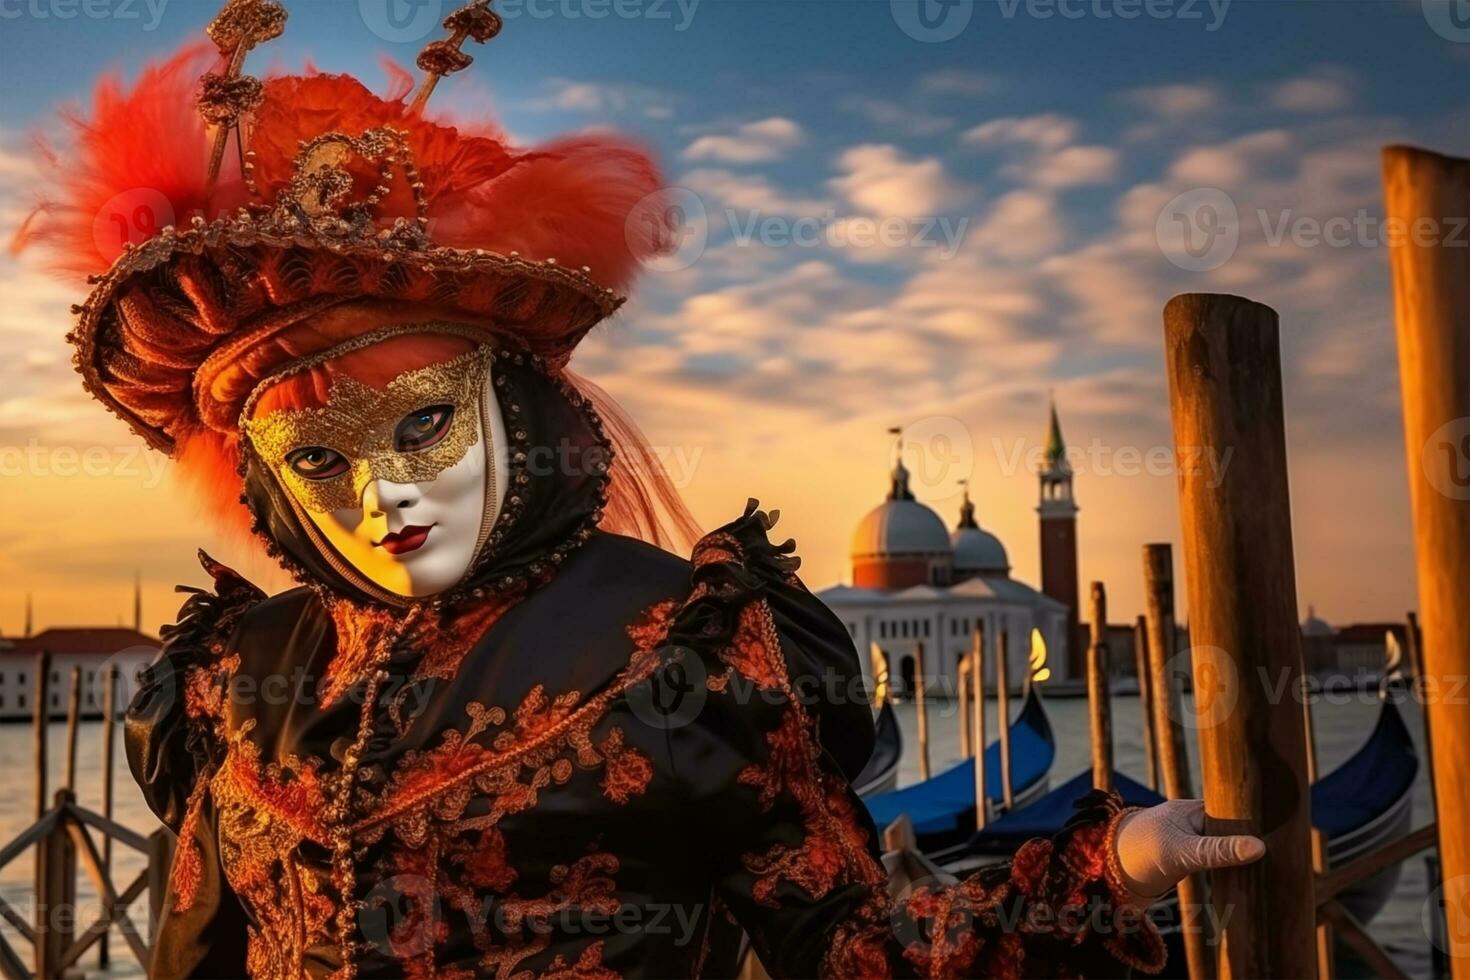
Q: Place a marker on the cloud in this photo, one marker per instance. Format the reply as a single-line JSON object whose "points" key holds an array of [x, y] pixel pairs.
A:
{"points": [[907, 119], [958, 82], [1177, 101], [753, 142], [720, 188], [1046, 132], [881, 180], [569, 95], [1323, 90], [1075, 166]]}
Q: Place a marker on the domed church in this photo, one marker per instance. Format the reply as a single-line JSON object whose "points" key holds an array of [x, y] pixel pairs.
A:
{"points": [[914, 581]]}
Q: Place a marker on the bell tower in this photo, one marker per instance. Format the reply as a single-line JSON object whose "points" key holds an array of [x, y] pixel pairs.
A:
{"points": [[1058, 520]]}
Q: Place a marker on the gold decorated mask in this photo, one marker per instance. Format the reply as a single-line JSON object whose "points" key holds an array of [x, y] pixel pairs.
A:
{"points": [[422, 423]]}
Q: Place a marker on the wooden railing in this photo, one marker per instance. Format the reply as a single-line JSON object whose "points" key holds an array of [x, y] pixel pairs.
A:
{"points": [[64, 838], [68, 839]]}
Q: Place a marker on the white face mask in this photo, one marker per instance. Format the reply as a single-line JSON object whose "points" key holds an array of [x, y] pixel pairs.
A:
{"points": [[403, 483]]}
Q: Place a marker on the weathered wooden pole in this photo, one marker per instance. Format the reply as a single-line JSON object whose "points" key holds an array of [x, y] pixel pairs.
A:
{"points": [[962, 679], [1145, 702], [109, 732], [1429, 196], [1173, 751], [922, 709], [1224, 365], [977, 674], [1098, 709], [73, 724], [40, 719], [1003, 706], [1164, 679]]}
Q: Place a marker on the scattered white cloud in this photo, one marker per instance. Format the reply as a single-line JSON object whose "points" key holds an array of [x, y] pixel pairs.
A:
{"points": [[570, 95], [880, 179], [1177, 101], [753, 142], [909, 120], [720, 188], [1046, 132], [1323, 90]]}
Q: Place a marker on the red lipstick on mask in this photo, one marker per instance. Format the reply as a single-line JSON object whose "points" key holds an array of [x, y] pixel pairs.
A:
{"points": [[411, 538]]}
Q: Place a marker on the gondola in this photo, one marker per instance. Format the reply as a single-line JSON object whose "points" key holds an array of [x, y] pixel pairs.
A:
{"points": [[881, 773], [1360, 805], [943, 808]]}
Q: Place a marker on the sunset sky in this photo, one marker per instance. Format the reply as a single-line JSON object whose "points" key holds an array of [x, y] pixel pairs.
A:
{"points": [[1023, 169]]}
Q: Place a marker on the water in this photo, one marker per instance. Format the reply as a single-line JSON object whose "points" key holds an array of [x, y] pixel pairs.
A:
{"points": [[1341, 728]]}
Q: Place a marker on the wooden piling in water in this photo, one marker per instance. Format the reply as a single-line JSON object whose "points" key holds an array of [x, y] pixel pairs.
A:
{"points": [[922, 710], [1224, 366], [73, 723], [1173, 751], [39, 719], [977, 675], [109, 731], [962, 680], [1003, 706], [1098, 708], [1432, 312], [1145, 702]]}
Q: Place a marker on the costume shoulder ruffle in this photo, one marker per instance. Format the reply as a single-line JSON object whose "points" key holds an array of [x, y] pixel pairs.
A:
{"points": [[168, 730], [736, 568]]}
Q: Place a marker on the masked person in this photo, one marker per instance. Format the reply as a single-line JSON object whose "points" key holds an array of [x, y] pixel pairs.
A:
{"points": [[493, 733]]}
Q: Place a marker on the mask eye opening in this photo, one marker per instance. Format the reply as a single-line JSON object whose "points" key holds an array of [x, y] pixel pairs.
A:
{"points": [[317, 462], [422, 429]]}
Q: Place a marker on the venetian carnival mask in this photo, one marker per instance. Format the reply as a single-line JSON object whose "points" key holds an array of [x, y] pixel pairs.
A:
{"points": [[404, 482]]}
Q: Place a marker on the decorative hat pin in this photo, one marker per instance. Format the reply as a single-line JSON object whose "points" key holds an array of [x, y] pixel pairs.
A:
{"points": [[244, 24]]}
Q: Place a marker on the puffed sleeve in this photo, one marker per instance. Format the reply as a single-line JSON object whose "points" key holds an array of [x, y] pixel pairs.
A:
{"points": [[766, 764], [172, 749]]}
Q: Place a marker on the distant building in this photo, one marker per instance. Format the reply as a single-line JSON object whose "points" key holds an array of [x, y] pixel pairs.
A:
{"points": [[915, 581], [90, 648]]}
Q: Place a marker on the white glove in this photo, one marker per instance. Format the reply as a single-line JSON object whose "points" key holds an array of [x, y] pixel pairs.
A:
{"points": [[1158, 847]]}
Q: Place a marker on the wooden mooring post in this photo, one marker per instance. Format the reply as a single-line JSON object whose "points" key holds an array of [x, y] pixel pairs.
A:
{"points": [[1098, 708], [109, 732], [921, 709], [40, 719], [1003, 709], [1428, 195], [1167, 709], [1223, 360], [73, 727], [1145, 702], [962, 681], [977, 675]]}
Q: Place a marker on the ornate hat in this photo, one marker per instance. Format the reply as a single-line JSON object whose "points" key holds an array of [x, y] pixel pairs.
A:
{"points": [[212, 214]]}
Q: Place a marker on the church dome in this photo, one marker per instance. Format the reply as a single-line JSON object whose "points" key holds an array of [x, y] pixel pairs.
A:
{"points": [[976, 550], [1315, 626], [900, 526]]}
